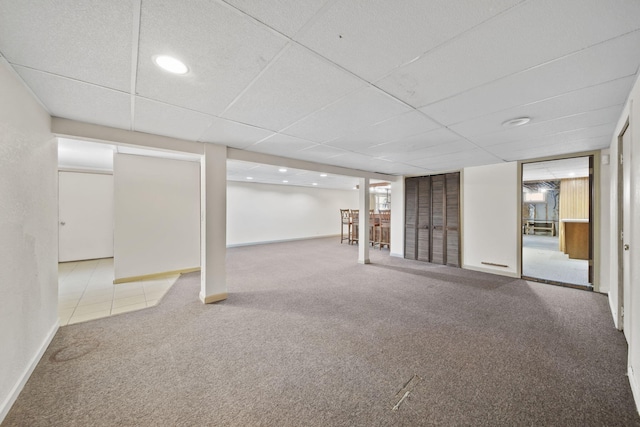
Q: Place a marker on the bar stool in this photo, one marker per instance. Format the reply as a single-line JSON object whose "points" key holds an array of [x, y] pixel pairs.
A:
{"points": [[345, 219], [374, 224], [384, 230], [354, 225]]}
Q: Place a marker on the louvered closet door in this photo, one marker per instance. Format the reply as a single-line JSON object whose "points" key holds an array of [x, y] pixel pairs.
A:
{"points": [[424, 219], [411, 208], [438, 232], [452, 228]]}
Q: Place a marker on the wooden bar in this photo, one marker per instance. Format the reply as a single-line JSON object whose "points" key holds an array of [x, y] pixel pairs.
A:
{"points": [[576, 238]]}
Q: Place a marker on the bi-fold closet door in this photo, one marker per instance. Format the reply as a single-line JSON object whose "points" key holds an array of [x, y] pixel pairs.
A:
{"points": [[432, 219]]}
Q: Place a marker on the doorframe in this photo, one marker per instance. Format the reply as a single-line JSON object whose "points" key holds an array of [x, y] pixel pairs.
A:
{"points": [[594, 225], [620, 223]]}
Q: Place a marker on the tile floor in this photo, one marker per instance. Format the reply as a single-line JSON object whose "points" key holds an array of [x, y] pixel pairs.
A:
{"points": [[86, 291]]}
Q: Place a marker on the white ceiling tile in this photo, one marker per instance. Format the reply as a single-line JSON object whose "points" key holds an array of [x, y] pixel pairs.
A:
{"points": [[357, 33], [396, 168], [233, 134], [281, 145], [556, 169], [439, 150], [298, 84], [286, 16], [533, 152], [162, 119], [605, 62], [395, 128], [572, 141], [350, 113], [75, 100], [579, 101], [538, 130], [87, 40], [221, 62], [416, 142], [363, 162], [447, 162], [521, 38], [320, 153]]}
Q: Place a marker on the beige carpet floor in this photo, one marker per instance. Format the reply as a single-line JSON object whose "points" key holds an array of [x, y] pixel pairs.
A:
{"points": [[308, 337]]}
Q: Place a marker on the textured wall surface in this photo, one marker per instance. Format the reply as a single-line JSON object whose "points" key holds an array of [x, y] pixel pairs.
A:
{"points": [[28, 232]]}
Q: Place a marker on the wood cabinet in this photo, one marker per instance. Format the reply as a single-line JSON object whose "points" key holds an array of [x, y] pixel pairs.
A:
{"points": [[432, 219]]}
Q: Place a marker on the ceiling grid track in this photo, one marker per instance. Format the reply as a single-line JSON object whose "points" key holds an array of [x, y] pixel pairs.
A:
{"points": [[135, 47]]}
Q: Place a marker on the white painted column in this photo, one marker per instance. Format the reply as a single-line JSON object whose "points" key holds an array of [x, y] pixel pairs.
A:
{"points": [[363, 224], [397, 218], [213, 220]]}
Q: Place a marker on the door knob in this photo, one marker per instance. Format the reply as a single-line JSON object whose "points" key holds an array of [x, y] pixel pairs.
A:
{"points": [[62, 223], [626, 247]]}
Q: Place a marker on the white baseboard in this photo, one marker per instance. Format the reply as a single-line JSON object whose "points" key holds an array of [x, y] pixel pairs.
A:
{"points": [[266, 242], [396, 254], [491, 271], [635, 387], [614, 311], [17, 388]]}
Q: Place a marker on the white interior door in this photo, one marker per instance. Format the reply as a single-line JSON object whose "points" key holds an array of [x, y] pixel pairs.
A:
{"points": [[85, 216], [626, 233]]}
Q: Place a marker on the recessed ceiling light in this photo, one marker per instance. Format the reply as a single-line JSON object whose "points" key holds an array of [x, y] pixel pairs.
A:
{"points": [[572, 174], [170, 64], [315, 183], [249, 177], [285, 181], [516, 122], [323, 175], [282, 170]]}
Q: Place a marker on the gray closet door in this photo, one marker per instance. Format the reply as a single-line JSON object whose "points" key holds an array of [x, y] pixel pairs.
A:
{"points": [[438, 215], [452, 228], [432, 219], [424, 219]]}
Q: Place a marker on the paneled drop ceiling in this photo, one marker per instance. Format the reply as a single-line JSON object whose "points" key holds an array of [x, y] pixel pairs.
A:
{"points": [[398, 87]]}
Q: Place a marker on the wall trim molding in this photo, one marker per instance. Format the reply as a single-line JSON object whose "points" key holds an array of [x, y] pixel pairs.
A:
{"points": [[491, 271], [614, 311], [266, 242], [210, 299], [154, 275], [17, 388], [635, 387]]}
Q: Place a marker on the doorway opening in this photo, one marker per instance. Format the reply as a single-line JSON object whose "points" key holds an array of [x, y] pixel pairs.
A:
{"points": [[557, 222]]}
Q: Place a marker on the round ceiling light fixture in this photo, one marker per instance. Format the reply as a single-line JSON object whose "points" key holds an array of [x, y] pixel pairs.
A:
{"points": [[170, 64], [519, 121]]}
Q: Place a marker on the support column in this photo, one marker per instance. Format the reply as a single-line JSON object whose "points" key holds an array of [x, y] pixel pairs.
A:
{"points": [[213, 224], [397, 218], [363, 224]]}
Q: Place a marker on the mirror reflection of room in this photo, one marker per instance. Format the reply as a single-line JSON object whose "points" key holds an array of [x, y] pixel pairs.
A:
{"points": [[555, 221]]}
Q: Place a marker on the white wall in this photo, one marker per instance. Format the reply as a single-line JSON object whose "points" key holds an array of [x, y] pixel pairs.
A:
{"points": [[258, 213], [157, 215], [490, 218], [28, 231], [632, 112]]}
